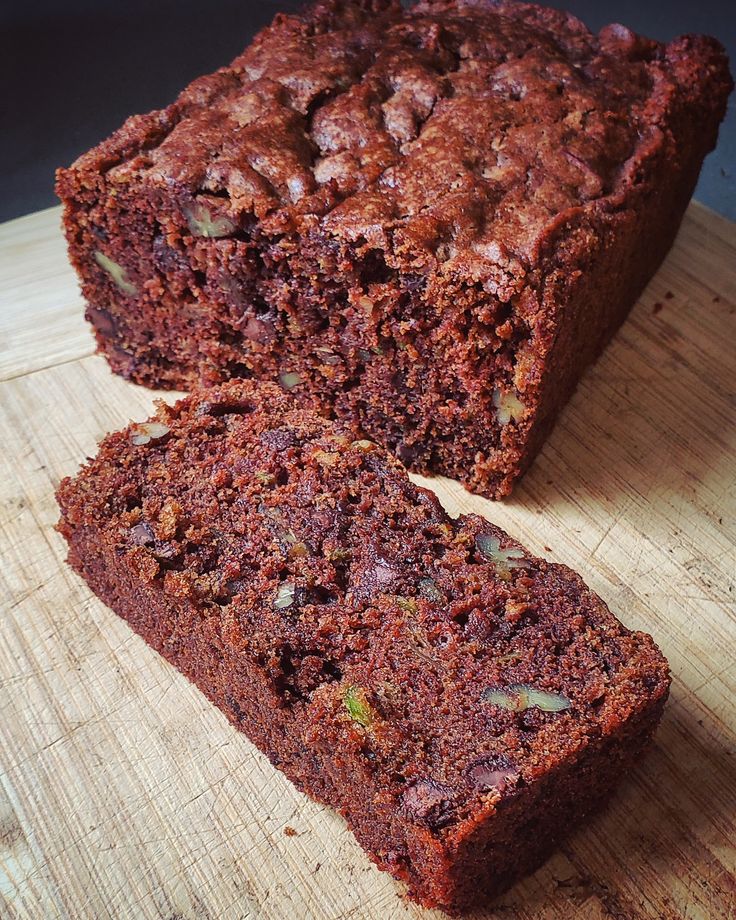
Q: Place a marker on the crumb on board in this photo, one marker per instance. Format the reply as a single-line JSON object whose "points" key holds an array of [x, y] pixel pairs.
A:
{"points": [[290, 831]]}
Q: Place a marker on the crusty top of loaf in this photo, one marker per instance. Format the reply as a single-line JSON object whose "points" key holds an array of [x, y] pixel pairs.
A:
{"points": [[452, 128]]}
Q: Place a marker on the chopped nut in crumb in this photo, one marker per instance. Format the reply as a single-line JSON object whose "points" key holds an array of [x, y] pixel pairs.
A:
{"points": [[145, 432], [357, 706], [289, 380], [116, 272], [202, 222], [508, 406], [285, 595], [503, 559], [519, 697]]}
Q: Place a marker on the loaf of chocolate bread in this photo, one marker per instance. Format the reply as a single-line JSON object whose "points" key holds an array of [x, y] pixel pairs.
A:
{"points": [[461, 702], [428, 220]]}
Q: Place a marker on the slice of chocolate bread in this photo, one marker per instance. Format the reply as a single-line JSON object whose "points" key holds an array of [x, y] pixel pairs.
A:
{"points": [[461, 702]]}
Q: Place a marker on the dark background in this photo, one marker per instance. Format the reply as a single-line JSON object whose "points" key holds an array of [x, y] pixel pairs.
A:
{"points": [[72, 70]]}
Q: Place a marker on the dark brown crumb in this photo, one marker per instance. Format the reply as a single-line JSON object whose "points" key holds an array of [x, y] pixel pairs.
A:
{"points": [[657, 308], [668, 295], [427, 220], [290, 831], [462, 702]]}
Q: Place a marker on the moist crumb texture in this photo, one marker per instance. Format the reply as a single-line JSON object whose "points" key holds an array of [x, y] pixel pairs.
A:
{"points": [[427, 221], [461, 702]]}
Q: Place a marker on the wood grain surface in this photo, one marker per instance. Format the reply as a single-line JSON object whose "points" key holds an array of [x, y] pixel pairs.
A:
{"points": [[123, 793]]}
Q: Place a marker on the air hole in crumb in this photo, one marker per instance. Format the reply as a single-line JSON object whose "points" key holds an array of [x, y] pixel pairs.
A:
{"points": [[318, 594], [237, 369], [230, 337], [260, 307], [217, 410], [285, 662], [332, 670], [373, 269]]}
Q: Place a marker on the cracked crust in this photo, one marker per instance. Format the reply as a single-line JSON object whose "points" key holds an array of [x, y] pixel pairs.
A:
{"points": [[460, 701], [421, 213]]}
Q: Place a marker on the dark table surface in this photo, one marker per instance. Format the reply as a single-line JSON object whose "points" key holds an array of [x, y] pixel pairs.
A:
{"points": [[72, 70]]}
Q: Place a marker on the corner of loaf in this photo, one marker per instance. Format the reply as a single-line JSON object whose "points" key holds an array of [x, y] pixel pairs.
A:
{"points": [[483, 700], [425, 220]]}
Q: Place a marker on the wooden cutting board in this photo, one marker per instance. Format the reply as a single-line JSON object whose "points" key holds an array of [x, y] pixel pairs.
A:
{"points": [[123, 793]]}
